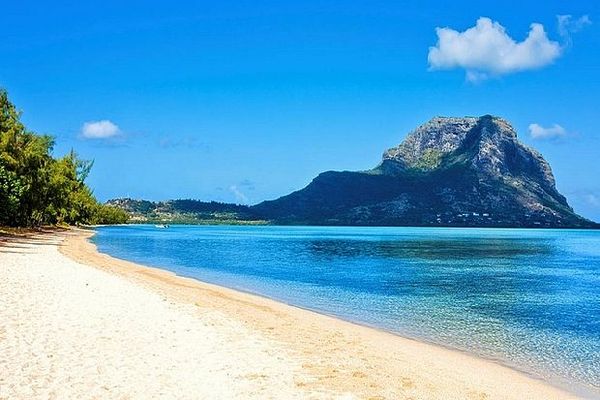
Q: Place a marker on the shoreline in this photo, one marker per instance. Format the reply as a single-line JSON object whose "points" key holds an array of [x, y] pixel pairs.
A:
{"points": [[260, 300], [554, 380], [321, 356], [579, 390]]}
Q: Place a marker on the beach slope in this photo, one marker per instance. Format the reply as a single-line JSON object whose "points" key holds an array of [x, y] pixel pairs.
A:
{"points": [[75, 323]]}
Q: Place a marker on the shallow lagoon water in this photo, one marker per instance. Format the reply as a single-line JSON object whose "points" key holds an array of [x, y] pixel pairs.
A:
{"points": [[527, 298]]}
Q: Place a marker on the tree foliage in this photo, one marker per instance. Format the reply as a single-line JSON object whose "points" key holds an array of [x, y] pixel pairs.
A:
{"points": [[35, 187]]}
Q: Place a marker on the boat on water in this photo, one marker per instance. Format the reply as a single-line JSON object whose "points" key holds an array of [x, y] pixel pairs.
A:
{"points": [[161, 226]]}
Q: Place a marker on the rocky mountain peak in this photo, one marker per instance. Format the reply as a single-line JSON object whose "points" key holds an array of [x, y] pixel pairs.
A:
{"points": [[470, 171], [440, 134], [489, 144]]}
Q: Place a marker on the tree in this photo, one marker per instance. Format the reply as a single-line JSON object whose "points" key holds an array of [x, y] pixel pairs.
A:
{"points": [[36, 188], [108, 215], [10, 195]]}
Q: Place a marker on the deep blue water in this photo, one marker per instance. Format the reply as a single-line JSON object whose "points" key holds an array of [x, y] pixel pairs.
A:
{"points": [[527, 298]]}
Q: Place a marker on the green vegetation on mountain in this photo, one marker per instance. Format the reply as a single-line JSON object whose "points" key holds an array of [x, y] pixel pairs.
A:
{"points": [[38, 189]]}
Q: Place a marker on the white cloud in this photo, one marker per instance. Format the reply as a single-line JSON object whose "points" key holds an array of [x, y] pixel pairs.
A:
{"points": [[487, 50], [568, 25], [99, 129], [539, 132], [239, 196]]}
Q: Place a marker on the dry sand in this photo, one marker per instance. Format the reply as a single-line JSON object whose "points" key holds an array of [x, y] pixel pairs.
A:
{"points": [[75, 323]]}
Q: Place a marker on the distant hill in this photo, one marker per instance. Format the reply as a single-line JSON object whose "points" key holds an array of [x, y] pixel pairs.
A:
{"points": [[470, 171], [186, 212], [448, 172]]}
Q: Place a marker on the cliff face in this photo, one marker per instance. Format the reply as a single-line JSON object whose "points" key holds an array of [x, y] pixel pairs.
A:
{"points": [[489, 144], [448, 172]]}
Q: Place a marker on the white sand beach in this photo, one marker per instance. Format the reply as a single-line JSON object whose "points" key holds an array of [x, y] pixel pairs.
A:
{"points": [[78, 324]]}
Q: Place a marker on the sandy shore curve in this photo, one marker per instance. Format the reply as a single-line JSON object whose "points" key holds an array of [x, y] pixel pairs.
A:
{"points": [[75, 323]]}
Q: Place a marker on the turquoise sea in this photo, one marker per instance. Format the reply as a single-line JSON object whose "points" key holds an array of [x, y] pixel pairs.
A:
{"points": [[529, 299]]}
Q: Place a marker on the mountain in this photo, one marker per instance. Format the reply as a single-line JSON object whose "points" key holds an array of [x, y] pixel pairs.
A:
{"points": [[448, 172]]}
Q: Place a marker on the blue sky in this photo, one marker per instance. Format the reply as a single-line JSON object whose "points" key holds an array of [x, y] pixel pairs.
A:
{"points": [[249, 100]]}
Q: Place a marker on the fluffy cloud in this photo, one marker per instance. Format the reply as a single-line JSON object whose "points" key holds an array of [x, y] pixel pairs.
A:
{"points": [[568, 25], [539, 132], [99, 129], [487, 50]]}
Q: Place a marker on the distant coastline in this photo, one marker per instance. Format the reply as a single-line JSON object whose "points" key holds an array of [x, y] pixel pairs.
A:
{"points": [[198, 212]]}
